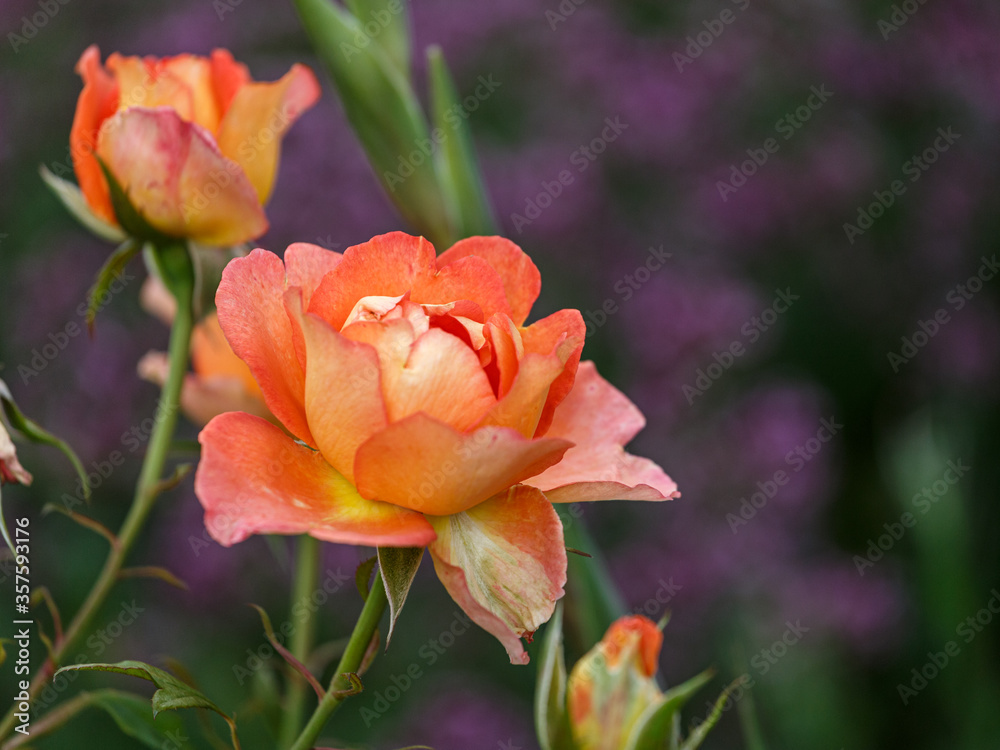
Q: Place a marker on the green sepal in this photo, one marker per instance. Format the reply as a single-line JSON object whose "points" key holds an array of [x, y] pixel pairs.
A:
{"points": [[363, 576], [110, 271], [171, 693], [551, 717], [129, 217], [397, 567], [458, 168], [72, 198], [653, 730]]}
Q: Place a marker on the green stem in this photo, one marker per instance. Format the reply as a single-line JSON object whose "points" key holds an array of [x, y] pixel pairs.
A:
{"points": [[303, 636], [350, 662], [145, 492]]}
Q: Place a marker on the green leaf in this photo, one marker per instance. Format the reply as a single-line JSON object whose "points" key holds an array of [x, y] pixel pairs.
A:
{"points": [[397, 567], [171, 693], [390, 22], [551, 718], [109, 272], [653, 729], [34, 433], [132, 714], [458, 167], [72, 198], [385, 114], [287, 655]]}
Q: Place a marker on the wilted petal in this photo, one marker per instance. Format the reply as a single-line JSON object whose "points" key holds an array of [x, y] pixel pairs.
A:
{"points": [[254, 479], [504, 562], [600, 420], [429, 466]]}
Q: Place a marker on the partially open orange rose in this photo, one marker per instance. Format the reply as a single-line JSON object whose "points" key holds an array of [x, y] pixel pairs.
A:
{"points": [[221, 381], [192, 140], [424, 413]]}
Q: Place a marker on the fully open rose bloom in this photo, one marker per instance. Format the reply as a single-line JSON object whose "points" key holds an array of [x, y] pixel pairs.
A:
{"points": [[192, 140], [419, 410]]}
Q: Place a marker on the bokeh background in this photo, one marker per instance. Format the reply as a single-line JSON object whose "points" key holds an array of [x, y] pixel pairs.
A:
{"points": [[864, 617]]}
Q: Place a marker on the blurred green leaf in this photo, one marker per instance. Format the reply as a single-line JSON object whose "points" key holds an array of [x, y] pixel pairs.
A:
{"points": [[385, 114], [387, 23], [34, 433], [171, 693], [397, 568], [458, 168], [72, 198], [701, 731]]}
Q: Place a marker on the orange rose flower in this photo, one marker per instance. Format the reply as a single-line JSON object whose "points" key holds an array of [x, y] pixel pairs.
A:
{"points": [[193, 141], [420, 411]]}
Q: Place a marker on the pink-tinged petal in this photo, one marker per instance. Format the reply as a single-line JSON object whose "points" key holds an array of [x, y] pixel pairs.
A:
{"points": [[306, 265], [157, 300], [507, 350], [257, 118], [521, 280], [252, 315], [204, 397], [564, 331], [177, 178], [441, 378], [343, 393], [385, 266], [254, 479], [10, 468], [469, 278], [504, 562], [600, 420], [98, 101], [428, 466], [522, 407]]}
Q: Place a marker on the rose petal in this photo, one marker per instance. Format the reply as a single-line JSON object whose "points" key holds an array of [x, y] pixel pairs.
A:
{"points": [[175, 176], [504, 562], [600, 419], [343, 394], [428, 466], [252, 314], [507, 350], [211, 356], [521, 280], [228, 77], [385, 266], [306, 265], [10, 468], [98, 101], [258, 116], [522, 407], [566, 330], [254, 479], [469, 278]]}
